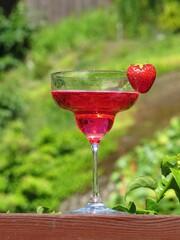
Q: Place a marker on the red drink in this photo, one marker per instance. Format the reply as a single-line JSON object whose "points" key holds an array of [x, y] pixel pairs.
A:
{"points": [[94, 110]]}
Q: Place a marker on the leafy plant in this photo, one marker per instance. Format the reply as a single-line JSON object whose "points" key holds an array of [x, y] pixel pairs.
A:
{"points": [[169, 20], [170, 179], [43, 172], [11, 103], [145, 160], [138, 18], [15, 37]]}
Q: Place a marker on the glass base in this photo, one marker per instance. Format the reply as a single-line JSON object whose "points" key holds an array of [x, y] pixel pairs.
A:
{"points": [[94, 208]]}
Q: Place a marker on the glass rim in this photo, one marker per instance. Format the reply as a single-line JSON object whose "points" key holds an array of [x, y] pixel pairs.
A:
{"points": [[88, 71]]}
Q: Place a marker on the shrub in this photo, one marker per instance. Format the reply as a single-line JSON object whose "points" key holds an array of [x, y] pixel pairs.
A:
{"points": [[11, 104], [169, 20], [15, 37], [138, 18]]}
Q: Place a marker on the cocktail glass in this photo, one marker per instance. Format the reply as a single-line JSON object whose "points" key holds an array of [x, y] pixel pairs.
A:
{"points": [[95, 97]]}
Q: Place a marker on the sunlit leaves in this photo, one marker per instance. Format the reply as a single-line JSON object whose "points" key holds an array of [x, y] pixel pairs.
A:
{"points": [[170, 179], [156, 159], [146, 182]]}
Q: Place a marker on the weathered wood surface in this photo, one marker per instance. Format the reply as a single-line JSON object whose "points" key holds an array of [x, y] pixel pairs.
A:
{"points": [[92, 227]]}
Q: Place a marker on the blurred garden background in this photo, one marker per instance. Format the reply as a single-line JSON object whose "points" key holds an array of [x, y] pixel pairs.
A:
{"points": [[44, 159]]}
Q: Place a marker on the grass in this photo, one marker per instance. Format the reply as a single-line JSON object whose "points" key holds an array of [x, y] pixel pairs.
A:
{"points": [[164, 54]]}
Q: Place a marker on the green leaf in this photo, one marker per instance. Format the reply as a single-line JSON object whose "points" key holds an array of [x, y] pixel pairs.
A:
{"points": [[163, 186], [175, 187], [146, 212], [176, 174], [120, 208], [169, 182], [152, 205], [41, 209], [139, 182], [131, 207], [169, 163]]}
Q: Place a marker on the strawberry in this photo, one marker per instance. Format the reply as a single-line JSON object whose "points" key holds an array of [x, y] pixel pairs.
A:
{"points": [[141, 76]]}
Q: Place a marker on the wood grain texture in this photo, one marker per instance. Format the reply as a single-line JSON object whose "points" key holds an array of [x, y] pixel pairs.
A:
{"points": [[91, 227]]}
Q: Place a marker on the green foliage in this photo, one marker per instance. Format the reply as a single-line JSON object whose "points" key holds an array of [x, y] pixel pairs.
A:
{"points": [[169, 20], [138, 18], [11, 103], [164, 184], [15, 37], [43, 172], [74, 30], [145, 161], [41, 209], [98, 42], [71, 33], [119, 54], [146, 182], [36, 174], [142, 18]]}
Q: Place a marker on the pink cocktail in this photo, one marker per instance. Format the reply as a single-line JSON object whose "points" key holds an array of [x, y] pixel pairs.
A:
{"points": [[95, 97], [94, 110]]}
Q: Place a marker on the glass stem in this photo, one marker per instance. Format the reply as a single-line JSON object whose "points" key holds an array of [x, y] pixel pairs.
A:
{"points": [[95, 197]]}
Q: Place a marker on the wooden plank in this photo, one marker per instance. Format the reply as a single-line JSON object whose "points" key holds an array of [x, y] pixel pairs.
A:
{"points": [[92, 227]]}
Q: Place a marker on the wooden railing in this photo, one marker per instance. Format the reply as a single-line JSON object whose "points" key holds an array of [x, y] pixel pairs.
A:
{"points": [[92, 227]]}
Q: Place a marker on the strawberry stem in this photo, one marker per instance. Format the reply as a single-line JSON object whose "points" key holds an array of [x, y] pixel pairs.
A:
{"points": [[141, 66]]}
